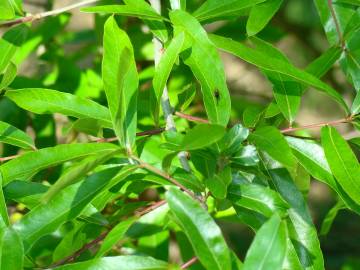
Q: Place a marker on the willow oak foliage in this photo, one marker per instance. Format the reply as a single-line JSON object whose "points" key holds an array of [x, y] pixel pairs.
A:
{"points": [[75, 193]]}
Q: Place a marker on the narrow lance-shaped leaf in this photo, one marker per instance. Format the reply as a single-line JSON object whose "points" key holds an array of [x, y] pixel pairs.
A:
{"points": [[342, 161], [11, 250], [311, 156], [267, 62], [7, 11], [268, 249], [29, 164], [213, 9], [330, 217], [301, 229], [166, 63], [11, 135], [118, 262], [260, 15], [114, 236], [65, 206], [120, 82], [3, 208], [45, 101], [203, 59], [203, 233]]}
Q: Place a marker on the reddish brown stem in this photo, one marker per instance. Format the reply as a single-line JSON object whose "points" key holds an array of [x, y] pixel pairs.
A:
{"points": [[191, 118], [142, 133], [331, 123], [155, 170], [94, 242], [189, 263], [8, 158]]}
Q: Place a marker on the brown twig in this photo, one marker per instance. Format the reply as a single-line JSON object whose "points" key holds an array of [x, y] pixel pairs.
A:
{"points": [[191, 118], [330, 123], [189, 263], [155, 170], [8, 158], [101, 237], [39, 16], [142, 133], [337, 25]]}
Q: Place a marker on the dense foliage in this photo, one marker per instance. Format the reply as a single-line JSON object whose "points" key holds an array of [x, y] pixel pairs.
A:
{"points": [[117, 163]]}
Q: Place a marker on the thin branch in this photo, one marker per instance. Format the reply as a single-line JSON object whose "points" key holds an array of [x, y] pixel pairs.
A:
{"points": [[191, 118], [166, 176], [189, 263], [330, 123], [39, 16], [142, 133], [8, 158], [336, 22], [101, 237]]}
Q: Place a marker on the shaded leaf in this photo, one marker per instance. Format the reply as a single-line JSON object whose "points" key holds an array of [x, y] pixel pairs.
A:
{"points": [[342, 161], [9, 76], [201, 230], [65, 206], [330, 217]]}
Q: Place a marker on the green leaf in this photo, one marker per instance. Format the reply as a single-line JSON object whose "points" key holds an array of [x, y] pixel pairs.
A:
{"points": [[342, 161], [301, 229], [257, 198], [120, 82], [138, 8], [46, 101], [118, 262], [114, 236], [355, 108], [203, 59], [270, 140], [7, 10], [201, 230], [343, 14], [267, 251], [11, 135], [246, 156], [269, 63], [11, 250], [76, 172], [213, 9], [201, 136], [231, 142], [65, 206], [9, 44], [30, 163], [4, 217], [260, 15], [9, 76], [218, 183], [189, 180], [166, 63], [311, 156], [330, 217]]}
